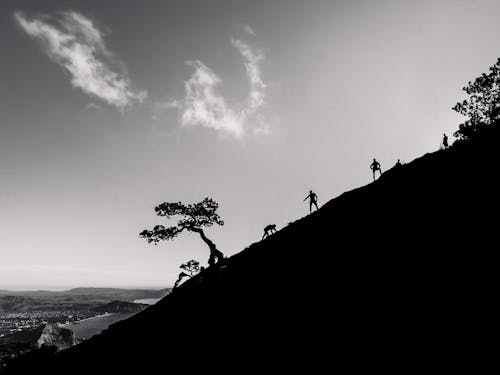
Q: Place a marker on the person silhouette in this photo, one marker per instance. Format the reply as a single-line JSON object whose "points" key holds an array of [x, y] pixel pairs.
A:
{"points": [[398, 163], [269, 229], [375, 166], [445, 141], [313, 199]]}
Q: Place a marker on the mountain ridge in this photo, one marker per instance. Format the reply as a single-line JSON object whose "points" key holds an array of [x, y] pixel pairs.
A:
{"points": [[390, 275]]}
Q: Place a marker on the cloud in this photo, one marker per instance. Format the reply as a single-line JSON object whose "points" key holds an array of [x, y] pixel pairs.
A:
{"points": [[249, 30], [203, 105], [252, 58], [73, 41]]}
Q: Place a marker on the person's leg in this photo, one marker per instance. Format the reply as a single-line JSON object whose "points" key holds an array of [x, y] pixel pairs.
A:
{"points": [[316, 206]]}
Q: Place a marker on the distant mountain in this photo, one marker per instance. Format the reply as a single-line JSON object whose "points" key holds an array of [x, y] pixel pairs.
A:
{"points": [[396, 276], [119, 307], [83, 298], [118, 294], [16, 303]]}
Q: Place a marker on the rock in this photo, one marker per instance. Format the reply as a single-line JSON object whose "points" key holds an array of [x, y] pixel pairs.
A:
{"points": [[53, 335]]}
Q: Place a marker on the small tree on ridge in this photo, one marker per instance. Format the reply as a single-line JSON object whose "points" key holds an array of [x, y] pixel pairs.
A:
{"points": [[190, 269]]}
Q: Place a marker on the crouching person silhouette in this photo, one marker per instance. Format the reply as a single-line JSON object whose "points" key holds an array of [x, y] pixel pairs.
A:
{"points": [[268, 230]]}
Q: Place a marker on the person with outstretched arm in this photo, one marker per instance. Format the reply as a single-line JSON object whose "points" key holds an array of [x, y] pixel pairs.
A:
{"points": [[313, 200]]}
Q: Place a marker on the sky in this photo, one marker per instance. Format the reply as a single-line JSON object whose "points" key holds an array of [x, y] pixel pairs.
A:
{"points": [[108, 109]]}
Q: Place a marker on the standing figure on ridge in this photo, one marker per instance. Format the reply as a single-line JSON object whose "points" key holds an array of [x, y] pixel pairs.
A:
{"points": [[313, 199], [375, 166], [398, 163], [269, 229], [445, 141]]}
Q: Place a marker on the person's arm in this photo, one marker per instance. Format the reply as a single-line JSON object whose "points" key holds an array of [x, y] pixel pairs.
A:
{"points": [[306, 197]]}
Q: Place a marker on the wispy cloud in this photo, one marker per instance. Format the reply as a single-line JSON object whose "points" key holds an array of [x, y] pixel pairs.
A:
{"points": [[252, 58], [248, 29], [74, 42], [203, 105]]}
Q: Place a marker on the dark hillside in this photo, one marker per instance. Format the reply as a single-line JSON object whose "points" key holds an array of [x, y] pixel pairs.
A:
{"points": [[393, 275]]}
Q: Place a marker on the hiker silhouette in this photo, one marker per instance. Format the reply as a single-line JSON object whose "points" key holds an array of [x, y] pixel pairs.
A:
{"points": [[375, 166], [268, 230], [398, 163], [445, 141], [313, 199]]}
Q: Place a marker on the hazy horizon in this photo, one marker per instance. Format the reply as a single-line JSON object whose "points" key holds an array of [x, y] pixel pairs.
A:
{"points": [[108, 110], [53, 288]]}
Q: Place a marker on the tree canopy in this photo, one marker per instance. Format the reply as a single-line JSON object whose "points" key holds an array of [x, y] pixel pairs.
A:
{"points": [[194, 216], [191, 268], [482, 108]]}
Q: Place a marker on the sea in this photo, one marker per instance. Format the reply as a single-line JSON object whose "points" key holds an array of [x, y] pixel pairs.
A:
{"points": [[86, 328], [147, 301]]}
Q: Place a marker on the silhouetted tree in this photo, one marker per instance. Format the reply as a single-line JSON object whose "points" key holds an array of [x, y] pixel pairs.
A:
{"points": [[482, 108], [190, 269], [195, 217]]}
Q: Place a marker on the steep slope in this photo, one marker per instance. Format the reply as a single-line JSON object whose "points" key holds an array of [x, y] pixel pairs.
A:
{"points": [[393, 275]]}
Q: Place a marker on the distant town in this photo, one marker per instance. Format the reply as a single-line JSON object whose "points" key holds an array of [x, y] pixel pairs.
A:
{"points": [[24, 316], [17, 322]]}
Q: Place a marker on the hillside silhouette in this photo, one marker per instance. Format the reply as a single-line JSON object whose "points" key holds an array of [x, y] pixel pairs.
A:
{"points": [[393, 275]]}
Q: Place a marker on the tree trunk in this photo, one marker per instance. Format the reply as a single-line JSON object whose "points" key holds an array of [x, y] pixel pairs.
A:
{"points": [[215, 254]]}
